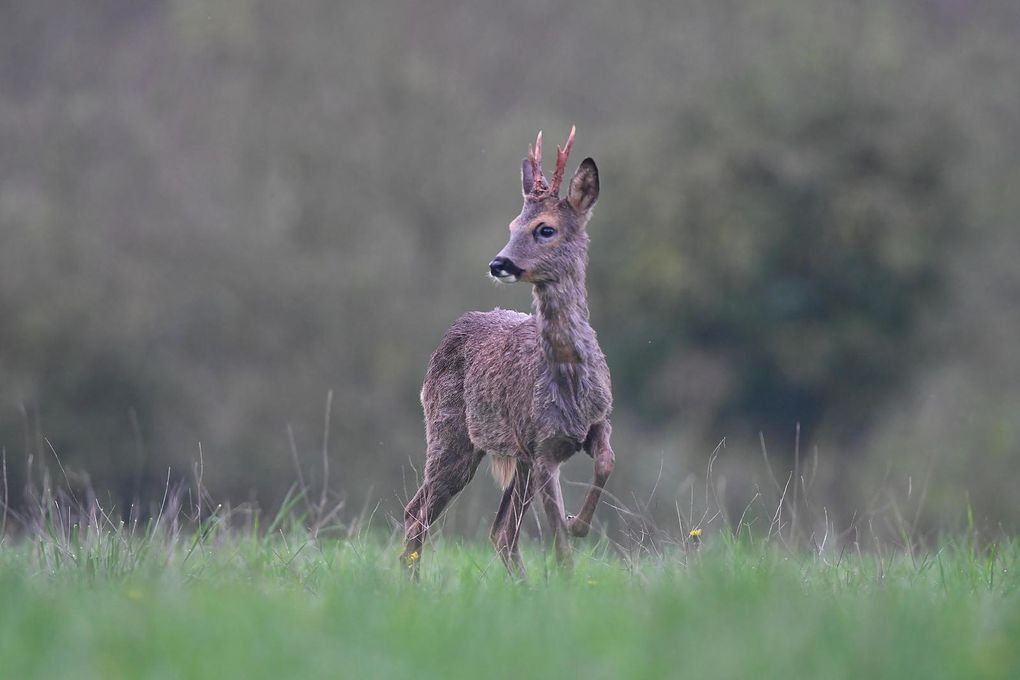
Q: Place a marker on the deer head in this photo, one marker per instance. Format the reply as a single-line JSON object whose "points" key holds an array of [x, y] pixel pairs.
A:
{"points": [[548, 240]]}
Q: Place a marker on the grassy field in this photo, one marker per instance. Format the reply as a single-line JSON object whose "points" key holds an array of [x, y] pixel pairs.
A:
{"points": [[100, 602]]}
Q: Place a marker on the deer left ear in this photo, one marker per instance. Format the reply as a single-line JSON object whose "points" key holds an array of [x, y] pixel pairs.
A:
{"points": [[527, 178], [584, 187]]}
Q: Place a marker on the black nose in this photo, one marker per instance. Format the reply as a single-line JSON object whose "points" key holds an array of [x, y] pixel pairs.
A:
{"points": [[501, 267], [497, 266]]}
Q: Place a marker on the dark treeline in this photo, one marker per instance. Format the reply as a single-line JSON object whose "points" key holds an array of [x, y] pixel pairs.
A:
{"points": [[213, 214]]}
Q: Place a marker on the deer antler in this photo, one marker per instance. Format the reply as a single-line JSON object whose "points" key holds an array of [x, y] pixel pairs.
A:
{"points": [[561, 162], [539, 185]]}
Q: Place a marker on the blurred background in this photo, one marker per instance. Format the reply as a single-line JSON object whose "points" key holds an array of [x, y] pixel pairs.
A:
{"points": [[215, 214]]}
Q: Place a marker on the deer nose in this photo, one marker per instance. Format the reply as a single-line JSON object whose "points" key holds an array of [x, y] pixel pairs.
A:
{"points": [[504, 269], [497, 266]]}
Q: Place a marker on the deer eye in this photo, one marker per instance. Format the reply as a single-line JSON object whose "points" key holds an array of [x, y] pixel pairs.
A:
{"points": [[545, 231]]}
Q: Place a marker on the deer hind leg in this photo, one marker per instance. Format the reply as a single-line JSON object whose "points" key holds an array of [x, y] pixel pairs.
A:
{"points": [[602, 454], [448, 469], [506, 528]]}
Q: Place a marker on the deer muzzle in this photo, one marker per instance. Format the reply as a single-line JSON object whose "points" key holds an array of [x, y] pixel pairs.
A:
{"points": [[503, 269]]}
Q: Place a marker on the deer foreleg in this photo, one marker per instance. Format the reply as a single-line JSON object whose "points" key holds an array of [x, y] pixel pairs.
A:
{"points": [[506, 528], [552, 499], [603, 456]]}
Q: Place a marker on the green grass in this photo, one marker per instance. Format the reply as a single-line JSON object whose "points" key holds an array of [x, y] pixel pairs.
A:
{"points": [[104, 603]]}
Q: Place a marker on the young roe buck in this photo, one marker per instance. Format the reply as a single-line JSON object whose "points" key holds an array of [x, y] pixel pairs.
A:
{"points": [[528, 389]]}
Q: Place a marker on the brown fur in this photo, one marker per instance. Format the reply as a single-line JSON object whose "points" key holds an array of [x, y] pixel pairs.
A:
{"points": [[528, 389]]}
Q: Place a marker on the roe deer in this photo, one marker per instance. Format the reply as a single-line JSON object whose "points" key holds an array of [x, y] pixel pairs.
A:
{"points": [[528, 389]]}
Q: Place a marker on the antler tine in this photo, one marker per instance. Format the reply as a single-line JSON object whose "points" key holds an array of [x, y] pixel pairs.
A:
{"points": [[535, 156], [561, 162]]}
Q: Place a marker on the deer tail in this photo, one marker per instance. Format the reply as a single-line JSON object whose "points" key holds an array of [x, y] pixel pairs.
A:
{"points": [[503, 469]]}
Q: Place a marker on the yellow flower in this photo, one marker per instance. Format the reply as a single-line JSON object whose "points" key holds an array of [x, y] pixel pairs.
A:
{"points": [[413, 557], [695, 534]]}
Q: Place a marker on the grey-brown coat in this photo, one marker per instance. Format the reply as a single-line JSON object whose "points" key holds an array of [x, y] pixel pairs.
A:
{"points": [[528, 389]]}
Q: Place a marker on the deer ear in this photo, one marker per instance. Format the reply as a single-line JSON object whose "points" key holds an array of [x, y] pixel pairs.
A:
{"points": [[584, 187], [527, 177]]}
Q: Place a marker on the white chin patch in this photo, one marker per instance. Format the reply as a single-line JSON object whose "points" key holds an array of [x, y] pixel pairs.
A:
{"points": [[504, 278]]}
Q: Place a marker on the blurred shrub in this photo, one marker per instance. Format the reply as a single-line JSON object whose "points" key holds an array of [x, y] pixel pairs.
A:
{"points": [[211, 214], [793, 245]]}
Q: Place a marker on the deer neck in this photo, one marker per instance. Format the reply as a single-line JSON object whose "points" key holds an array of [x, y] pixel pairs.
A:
{"points": [[561, 311]]}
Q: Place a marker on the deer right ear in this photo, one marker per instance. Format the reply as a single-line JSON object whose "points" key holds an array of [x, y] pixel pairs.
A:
{"points": [[527, 177], [584, 187]]}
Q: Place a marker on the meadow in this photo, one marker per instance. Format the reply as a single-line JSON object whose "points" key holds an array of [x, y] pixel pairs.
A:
{"points": [[235, 595]]}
